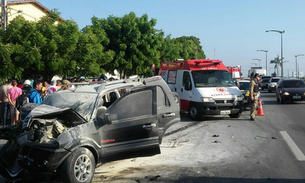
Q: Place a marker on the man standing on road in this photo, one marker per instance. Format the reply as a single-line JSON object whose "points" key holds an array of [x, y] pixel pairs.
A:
{"points": [[253, 95], [34, 93], [13, 94], [4, 100]]}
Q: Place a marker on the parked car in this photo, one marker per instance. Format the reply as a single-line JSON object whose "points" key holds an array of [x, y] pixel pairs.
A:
{"points": [[264, 82], [272, 84], [244, 87], [73, 130], [290, 90]]}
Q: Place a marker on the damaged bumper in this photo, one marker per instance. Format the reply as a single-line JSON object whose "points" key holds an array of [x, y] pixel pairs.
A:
{"points": [[41, 158]]}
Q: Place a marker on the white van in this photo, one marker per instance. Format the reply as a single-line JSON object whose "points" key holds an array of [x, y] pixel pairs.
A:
{"points": [[205, 87]]}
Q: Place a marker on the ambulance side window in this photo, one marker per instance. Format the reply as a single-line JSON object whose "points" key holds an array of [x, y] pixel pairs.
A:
{"points": [[187, 81], [171, 77]]}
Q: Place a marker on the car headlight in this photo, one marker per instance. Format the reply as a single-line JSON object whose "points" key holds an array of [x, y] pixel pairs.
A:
{"points": [[272, 85], [240, 98], [286, 93], [207, 99]]}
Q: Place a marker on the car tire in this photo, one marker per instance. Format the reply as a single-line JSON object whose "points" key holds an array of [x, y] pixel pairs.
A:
{"points": [[176, 98], [193, 112], [79, 167], [237, 115]]}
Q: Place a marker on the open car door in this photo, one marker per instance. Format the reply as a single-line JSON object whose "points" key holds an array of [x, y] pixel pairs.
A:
{"points": [[133, 122]]}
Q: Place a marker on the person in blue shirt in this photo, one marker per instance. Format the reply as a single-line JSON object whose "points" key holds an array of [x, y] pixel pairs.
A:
{"points": [[34, 94]]}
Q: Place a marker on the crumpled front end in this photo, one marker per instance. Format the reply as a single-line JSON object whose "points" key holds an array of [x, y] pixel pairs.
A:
{"points": [[34, 145]]}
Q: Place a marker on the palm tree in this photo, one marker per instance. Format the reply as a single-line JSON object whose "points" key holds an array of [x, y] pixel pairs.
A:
{"points": [[277, 63]]}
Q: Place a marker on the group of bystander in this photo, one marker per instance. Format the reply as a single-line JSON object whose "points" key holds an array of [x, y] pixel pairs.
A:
{"points": [[14, 94]]}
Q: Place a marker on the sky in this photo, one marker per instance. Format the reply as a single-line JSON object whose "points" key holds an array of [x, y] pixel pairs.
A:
{"points": [[229, 30]]}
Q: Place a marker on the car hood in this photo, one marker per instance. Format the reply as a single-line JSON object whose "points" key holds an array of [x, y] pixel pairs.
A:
{"points": [[46, 111]]}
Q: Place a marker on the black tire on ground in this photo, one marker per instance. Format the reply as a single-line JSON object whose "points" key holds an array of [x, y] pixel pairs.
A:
{"points": [[193, 113], [79, 167], [237, 115]]}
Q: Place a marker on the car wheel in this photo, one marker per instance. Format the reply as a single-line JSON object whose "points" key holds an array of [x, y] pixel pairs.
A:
{"points": [[177, 99], [237, 115], [193, 113], [79, 167]]}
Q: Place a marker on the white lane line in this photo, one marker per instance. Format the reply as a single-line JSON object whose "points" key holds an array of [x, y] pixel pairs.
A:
{"points": [[293, 147]]}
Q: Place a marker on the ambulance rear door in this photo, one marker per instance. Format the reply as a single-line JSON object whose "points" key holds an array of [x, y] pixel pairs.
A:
{"points": [[184, 88]]}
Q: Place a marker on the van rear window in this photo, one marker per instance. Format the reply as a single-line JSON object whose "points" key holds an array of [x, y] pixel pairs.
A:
{"points": [[171, 77]]}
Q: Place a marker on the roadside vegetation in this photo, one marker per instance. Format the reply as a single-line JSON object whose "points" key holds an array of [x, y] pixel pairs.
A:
{"points": [[50, 47]]}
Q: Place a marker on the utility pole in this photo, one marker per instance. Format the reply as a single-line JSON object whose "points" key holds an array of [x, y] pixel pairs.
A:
{"points": [[3, 14]]}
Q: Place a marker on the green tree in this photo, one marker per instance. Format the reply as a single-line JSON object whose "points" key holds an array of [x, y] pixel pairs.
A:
{"points": [[90, 51], [168, 50], [189, 47], [277, 63], [134, 41]]}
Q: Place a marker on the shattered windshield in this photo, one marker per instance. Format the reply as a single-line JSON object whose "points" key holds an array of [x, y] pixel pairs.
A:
{"points": [[82, 103], [210, 78]]}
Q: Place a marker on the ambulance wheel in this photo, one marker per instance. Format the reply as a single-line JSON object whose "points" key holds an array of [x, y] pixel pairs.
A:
{"points": [[237, 115], [193, 113]]}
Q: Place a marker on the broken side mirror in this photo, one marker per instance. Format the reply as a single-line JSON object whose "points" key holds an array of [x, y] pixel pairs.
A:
{"points": [[106, 118]]}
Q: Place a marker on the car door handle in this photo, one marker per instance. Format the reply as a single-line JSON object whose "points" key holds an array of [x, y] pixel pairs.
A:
{"points": [[168, 115], [148, 127]]}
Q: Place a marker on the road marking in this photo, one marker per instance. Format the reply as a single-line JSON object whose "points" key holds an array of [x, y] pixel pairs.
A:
{"points": [[293, 147]]}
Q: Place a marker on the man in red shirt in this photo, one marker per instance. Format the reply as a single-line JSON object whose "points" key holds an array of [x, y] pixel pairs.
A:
{"points": [[13, 94]]}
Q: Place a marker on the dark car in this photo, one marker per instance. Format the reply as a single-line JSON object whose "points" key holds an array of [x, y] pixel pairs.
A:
{"points": [[290, 90], [71, 133], [264, 82], [272, 83]]}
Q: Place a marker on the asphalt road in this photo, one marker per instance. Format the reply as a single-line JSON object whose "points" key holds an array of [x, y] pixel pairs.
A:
{"points": [[223, 150]]}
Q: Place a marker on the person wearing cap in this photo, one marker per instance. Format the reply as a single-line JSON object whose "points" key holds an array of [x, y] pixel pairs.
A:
{"points": [[52, 88], [66, 84], [253, 95]]}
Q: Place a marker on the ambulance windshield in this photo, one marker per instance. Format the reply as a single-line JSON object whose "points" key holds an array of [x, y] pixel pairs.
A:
{"points": [[210, 78]]}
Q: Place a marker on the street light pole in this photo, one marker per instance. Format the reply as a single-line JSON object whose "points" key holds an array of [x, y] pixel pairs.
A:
{"points": [[3, 14], [281, 32], [266, 60], [296, 65], [259, 61]]}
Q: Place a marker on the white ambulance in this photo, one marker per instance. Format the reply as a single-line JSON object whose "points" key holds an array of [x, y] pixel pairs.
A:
{"points": [[205, 87]]}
